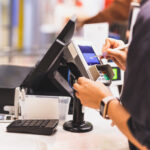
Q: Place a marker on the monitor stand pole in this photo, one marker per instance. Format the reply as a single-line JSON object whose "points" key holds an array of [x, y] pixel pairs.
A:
{"points": [[77, 124]]}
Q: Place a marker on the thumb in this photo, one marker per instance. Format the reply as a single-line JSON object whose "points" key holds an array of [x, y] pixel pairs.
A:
{"points": [[106, 45], [113, 53]]}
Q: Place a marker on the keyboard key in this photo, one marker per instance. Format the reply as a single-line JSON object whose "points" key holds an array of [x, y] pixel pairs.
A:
{"points": [[38, 123], [44, 123], [51, 123], [42, 127]]}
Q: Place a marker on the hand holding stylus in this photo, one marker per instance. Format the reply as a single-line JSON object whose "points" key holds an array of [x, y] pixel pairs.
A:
{"points": [[120, 48], [115, 50], [123, 47]]}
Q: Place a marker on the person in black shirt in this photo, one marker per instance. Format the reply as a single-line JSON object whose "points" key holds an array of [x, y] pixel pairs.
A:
{"points": [[133, 118]]}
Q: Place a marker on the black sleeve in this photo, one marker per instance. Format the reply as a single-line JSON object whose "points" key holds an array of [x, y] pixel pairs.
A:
{"points": [[136, 92], [139, 132]]}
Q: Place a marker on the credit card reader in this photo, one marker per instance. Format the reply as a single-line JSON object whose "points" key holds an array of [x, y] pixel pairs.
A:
{"points": [[83, 55], [82, 61]]}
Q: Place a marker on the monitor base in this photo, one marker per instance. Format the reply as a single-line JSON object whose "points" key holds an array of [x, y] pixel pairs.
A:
{"points": [[78, 128]]}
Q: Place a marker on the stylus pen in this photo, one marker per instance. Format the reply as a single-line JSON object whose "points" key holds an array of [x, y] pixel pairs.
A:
{"points": [[118, 48]]}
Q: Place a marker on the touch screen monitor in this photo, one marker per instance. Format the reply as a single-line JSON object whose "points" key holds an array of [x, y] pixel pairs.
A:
{"points": [[37, 78], [89, 55], [83, 54]]}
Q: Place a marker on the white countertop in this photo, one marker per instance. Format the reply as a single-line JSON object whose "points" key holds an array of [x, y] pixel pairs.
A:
{"points": [[103, 137]]}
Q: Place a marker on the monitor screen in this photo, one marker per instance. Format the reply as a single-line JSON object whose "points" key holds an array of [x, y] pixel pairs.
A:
{"points": [[89, 55], [50, 61]]}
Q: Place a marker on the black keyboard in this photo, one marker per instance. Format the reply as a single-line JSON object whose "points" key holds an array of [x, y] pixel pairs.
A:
{"points": [[41, 127]]}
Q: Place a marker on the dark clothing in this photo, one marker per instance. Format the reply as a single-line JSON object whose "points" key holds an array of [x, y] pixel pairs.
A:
{"points": [[136, 93], [143, 1], [132, 147]]}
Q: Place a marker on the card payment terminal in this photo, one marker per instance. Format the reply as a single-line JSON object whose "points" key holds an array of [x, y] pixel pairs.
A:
{"points": [[82, 54]]}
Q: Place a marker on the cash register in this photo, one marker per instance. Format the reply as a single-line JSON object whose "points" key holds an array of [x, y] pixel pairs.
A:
{"points": [[66, 59]]}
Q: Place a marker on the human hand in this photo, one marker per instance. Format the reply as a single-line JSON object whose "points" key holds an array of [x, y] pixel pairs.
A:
{"points": [[118, 56], [112, 124], [79, 24], [90, 92]]}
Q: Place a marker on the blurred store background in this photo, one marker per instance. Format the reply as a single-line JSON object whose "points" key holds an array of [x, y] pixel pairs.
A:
{"points": [[28, 27]]}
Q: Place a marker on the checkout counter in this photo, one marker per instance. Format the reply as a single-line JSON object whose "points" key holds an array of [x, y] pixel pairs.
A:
{"points": [[102, 137], [46, 78]]}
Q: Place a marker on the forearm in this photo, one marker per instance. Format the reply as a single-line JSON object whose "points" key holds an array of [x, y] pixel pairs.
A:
{"points": [[120, 119], [117, 11]]}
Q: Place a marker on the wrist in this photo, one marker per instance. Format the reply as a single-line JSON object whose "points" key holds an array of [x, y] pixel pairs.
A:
{"points": [[112, 105], [101, 97], [104, 106]]}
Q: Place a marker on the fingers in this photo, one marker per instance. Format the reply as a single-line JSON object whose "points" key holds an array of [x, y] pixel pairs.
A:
{"points": [[112, 124], [106, 45], [77, 95], [80, 81], [113, 53], [76, 87], [80, 85], [120, 63], [111, 43], [110, 54], [79, 25]]}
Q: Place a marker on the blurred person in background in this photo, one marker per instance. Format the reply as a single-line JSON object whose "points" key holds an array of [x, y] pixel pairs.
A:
{"points": [[117, 11], [116, 14], [131, 113]]}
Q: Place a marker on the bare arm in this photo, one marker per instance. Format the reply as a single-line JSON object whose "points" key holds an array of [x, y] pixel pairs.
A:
{"points": [[91, 93], [120, 119], [84, 87], [117, 11]]}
